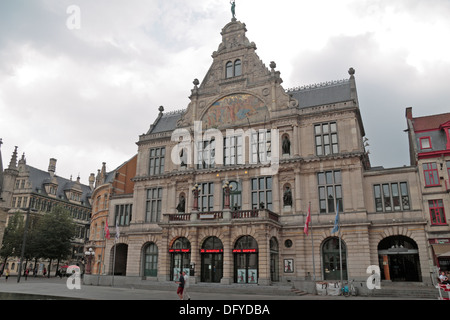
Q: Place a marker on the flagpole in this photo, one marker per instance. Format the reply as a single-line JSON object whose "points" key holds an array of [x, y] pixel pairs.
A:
{"points": [[312, 243], [340, 246]]}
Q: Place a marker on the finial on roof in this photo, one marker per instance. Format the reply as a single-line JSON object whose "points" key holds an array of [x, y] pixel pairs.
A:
{"points": [[13, 162], [351, 72], [161, 109]]}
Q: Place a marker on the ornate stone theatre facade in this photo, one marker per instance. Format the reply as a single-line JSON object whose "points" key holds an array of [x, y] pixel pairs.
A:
{"points": [[223, 188]]}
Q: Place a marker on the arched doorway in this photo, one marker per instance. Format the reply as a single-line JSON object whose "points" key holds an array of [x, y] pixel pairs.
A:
{"points": [[399, 259], [331, 257], [180, 257], [246, 260], [150, 260], [212, 260], [119, 254], [274, 260]]}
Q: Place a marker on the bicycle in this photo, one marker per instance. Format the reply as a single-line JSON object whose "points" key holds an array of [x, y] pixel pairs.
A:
{"points": [[346, 291]]}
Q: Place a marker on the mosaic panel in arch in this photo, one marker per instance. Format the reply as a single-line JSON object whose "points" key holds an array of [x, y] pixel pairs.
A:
{"points": [[236, 109]]}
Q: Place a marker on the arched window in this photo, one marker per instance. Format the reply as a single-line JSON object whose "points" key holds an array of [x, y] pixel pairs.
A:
{"points": [[237, 68], [331, 259], [180, 257], [212, 260], [233, 69], [229, 69], [274, 259], [246, 260], [151, 260]]}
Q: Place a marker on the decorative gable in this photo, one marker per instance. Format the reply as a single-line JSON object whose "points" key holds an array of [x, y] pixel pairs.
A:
{"points": [[236, 77]]}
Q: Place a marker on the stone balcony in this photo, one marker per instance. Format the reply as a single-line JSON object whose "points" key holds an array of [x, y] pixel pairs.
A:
{"points": [[224, 216]]}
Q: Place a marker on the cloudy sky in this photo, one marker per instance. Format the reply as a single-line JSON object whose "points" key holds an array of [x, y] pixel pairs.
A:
{"points": [[84, 95]]}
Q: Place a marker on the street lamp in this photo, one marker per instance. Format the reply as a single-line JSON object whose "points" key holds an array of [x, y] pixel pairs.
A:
{"points": [[89, 255]]}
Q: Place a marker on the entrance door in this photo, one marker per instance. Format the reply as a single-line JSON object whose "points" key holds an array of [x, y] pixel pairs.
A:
{"points": [[399, 259], [212, 264], [246, 260], [331, 259], [180, 257], [212, 260]]}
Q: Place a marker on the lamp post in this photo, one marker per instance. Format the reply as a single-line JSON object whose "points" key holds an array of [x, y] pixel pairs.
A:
{"points": [[89, 255], [195, 192]]}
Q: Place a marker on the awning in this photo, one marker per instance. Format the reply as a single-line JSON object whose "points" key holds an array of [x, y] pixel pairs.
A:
{"points": [[441, 250]]}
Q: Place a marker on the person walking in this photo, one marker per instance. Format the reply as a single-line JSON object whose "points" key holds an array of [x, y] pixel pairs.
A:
{"points": [[186, 285], [6, 274], [180, 288], [27, 271]]}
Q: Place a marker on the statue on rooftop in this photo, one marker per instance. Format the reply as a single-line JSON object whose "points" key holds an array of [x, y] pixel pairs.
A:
{"points": [[233, 8]]}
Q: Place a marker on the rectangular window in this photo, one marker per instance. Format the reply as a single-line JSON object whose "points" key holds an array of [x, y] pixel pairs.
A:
{"points": [[391, 197], [425, 143], [326, 138], [430, 172], [123, 214], [437, 214], [157, 159], [232, 151], [153, 205], [206, 154], [330, 191], [260, 146], [448, 168], [206, 196], [262, 193]]}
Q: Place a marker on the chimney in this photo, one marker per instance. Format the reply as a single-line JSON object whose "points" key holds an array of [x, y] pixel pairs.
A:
{"points": [[91, 181], [409, 113], [52, 167]]}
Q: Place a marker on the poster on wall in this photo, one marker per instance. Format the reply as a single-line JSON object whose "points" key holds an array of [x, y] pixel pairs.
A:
{"points": [[252, 276], [288, 265], [241, 276], [176, 273]]}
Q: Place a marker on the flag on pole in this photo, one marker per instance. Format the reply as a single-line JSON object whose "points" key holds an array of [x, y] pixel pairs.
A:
{"points": [[336, 220], [107, 235], [308, 221]]}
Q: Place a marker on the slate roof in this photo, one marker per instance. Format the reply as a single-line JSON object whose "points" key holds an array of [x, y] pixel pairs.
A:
{"points": [[38, 178], [322, 93], [166, 122]]}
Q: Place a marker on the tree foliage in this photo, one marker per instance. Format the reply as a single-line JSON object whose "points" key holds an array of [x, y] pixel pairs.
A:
{"points": [[54, 233]]}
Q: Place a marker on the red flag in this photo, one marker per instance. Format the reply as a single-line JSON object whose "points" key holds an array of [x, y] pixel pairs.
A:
{"points": [[308, 221], [107, 236]]}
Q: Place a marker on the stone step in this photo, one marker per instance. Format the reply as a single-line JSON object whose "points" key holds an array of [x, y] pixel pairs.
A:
{"points": [[406, 290]]}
